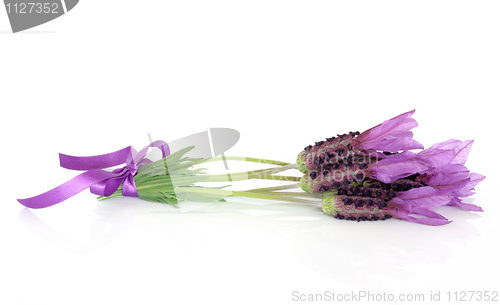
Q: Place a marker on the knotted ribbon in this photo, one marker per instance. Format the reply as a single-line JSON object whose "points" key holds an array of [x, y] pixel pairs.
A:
{"points": [[101, 182]]}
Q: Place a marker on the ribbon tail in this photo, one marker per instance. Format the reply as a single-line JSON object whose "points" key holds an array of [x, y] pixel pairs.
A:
{"points": [[96, 162], [66, 190]]}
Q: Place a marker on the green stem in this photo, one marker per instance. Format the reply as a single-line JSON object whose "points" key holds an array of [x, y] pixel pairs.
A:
{"points": [[258, 174], [118, 193], [163, 163], [276, 188], [228, 193], [283, 178], [247, 159], [154, 183], [295, 194]]}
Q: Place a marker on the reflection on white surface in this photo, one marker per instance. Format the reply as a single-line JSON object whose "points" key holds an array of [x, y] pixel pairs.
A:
{"points": [[343, 250]]}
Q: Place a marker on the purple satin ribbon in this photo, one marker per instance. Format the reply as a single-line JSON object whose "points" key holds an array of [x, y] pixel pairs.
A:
{"points": [[101, 182]]}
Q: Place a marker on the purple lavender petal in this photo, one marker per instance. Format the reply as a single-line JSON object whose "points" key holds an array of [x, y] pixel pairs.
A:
{"points": [[434, 157], [449, 169], [454, 179], [427, 213], [463, 152], [458, 186], [397, 166], [475, 178], [450, 144], [449, 152], [429, 221], [466, 191], [461, 149], [425, 198], [450, 178], [402, 142], [392, 135], [466, 206], [432, 218]]}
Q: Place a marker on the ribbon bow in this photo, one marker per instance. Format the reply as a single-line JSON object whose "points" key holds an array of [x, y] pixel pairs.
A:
{"points": [[101, 182]]}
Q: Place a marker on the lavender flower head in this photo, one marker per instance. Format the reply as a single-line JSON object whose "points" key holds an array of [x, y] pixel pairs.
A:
{"points": [[373, 175]]}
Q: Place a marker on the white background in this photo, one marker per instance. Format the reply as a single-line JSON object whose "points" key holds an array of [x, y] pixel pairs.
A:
{"points": [[283, 73]]}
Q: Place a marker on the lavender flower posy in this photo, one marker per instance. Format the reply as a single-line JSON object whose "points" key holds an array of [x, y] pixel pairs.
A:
{"points": [[378, 177], [372, 175]]}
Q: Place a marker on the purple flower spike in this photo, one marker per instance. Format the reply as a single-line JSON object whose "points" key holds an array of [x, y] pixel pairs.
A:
{"points": [[374, 176], [392, 135], [416, 201]]}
